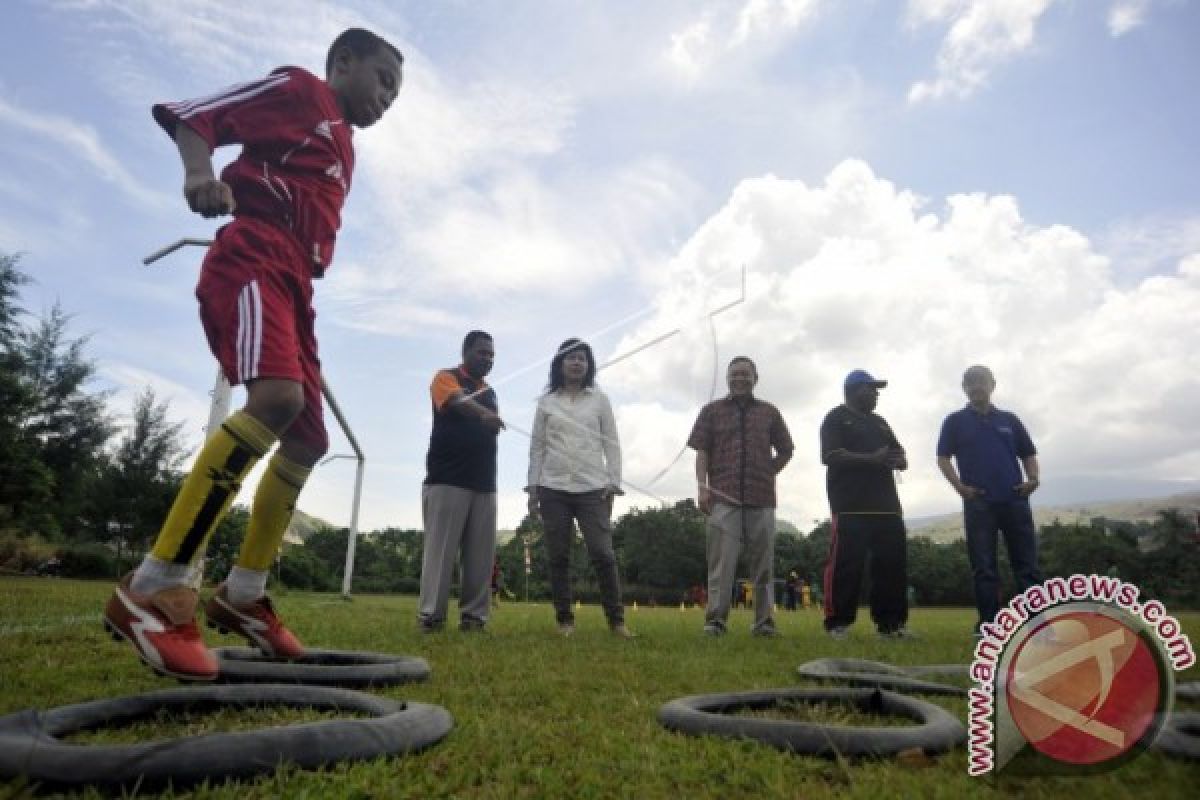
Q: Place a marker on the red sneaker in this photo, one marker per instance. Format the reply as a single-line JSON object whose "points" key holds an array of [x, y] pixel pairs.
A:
{"points": [[162, 629], [257, 621]]}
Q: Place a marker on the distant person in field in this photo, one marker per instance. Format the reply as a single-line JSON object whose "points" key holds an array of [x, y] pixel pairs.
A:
{"points": [[790, 588], [285, 191], [458, 500], [860, 452], [574, 474], [990, 447], [741, 444]]}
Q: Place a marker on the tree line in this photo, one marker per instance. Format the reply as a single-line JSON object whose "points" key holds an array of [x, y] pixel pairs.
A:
{"points": [[70, 486], [79, 490], [661, 552]]}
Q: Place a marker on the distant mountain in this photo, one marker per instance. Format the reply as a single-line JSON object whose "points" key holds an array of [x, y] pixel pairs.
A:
{"points": [[948, 527], [1075, 489]]}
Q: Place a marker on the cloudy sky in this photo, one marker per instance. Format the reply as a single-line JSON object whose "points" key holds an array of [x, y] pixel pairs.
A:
{"points": [[910, 187]]}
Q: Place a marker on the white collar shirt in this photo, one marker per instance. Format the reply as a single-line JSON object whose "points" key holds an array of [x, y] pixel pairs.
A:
{"points": [[574, 447]]}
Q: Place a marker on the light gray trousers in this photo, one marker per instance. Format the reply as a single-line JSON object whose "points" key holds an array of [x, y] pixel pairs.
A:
{"points": [[456, 520], [730, 528]]}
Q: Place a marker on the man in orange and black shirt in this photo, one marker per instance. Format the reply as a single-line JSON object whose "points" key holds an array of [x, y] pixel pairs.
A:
{"points": [[741, 444], [458, 500]]}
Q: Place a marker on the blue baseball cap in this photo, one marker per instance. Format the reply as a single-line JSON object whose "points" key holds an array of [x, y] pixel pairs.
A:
{"points": [[860, 376]]}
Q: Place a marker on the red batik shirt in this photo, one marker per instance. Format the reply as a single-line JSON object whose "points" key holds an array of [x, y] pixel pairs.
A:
{"points": [[741, 440], [297, 152]]}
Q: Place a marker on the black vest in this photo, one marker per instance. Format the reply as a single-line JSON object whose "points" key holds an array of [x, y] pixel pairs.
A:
{"points": [[462, 452]]}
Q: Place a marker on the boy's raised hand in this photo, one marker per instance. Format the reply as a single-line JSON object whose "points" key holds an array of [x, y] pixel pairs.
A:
{"points": [[208, 196]]}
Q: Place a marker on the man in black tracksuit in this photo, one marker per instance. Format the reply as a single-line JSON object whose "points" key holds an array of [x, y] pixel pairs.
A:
{"points": [[860, 452]]}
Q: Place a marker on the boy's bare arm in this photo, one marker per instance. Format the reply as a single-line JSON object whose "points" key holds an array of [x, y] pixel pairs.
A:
{"points": [[205, 194]]}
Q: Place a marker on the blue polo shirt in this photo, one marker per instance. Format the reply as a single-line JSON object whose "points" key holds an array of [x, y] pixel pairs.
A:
{"points": [[986, 449]]}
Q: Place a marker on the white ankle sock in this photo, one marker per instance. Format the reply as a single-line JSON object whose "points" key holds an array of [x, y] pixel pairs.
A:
{"points": [[153, 575], [244, 586]]}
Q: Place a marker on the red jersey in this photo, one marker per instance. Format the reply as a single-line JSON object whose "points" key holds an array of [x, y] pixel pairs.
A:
{"points": [[297, 152]]}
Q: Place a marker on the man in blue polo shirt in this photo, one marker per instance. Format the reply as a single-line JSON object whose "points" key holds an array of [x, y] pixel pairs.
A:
{"points": [[990, 447]]}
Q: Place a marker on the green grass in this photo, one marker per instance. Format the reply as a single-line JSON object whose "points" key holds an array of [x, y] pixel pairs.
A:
{"points": [[541, 716]]}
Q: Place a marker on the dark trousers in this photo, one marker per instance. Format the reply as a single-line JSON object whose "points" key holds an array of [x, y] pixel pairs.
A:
{"points": [[983, 521], [789, 598], [854, 537], [560, 510]]}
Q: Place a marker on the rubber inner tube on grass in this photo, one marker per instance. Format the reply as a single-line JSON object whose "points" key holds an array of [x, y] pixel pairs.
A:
{"points": [[1180, 736], [30, 743], [858, 672], [937, 731], [319, 668]]}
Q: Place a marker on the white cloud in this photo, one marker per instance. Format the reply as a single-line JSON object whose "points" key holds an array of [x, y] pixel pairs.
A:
{"points": [[226, 39], [514, 237], [185, 404], [78, 141], [983, 34], [723, 31], [859, 273], [1125, 15], [1143, 246]]}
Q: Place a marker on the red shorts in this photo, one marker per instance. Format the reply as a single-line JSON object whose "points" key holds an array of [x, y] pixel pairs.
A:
{"points": [[255, 298]]}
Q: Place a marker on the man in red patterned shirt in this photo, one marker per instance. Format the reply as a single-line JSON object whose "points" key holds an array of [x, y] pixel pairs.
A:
{"points": [[285, 191], [741, 444]]}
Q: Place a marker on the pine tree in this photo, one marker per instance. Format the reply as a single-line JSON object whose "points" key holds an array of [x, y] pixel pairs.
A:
{"points": [[52, 430], [140, 480]]}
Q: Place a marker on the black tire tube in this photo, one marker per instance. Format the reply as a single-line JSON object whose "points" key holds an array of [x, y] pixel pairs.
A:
{"points": [[30, 744], [1187, 691], [873, 674], [937, 732], [955, 670], [349, 668], [1180, 736]]}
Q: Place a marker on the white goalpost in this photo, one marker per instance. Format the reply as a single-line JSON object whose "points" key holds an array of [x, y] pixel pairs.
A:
{"points": [[222, 395]]}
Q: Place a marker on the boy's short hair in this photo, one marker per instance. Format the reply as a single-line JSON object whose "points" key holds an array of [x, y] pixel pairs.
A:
{"points": [[362, 43]]}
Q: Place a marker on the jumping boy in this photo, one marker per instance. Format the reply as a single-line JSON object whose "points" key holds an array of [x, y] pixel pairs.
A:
{"points": [[285, 191]]}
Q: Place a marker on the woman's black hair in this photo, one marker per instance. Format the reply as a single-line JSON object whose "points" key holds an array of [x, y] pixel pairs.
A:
{"points": [[557, 381]]}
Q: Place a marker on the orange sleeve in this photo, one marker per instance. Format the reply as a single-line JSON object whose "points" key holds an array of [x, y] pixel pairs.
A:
{"points": [[444, 386]]}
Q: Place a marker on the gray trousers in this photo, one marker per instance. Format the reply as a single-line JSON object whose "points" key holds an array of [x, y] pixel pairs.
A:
{"points": [[730, 528], [456, 520], [594, 512]]}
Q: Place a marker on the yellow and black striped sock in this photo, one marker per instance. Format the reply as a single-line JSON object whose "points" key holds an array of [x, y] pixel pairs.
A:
{"points": [[209, 489], [274, 503]]}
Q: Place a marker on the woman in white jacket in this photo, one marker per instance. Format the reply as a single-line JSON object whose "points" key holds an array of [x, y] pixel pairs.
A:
{"points": [[574, 472]]}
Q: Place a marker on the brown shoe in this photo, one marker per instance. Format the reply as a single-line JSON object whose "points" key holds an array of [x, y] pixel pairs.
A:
{"points": [[162, 629], [621, 631], [257, 622]]}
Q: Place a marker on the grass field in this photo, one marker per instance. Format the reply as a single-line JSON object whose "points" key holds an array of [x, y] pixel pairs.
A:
{"points": [[541, 716]]}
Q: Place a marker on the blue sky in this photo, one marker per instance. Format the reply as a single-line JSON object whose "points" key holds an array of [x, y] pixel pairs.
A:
{"points": [[912, 187]]}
